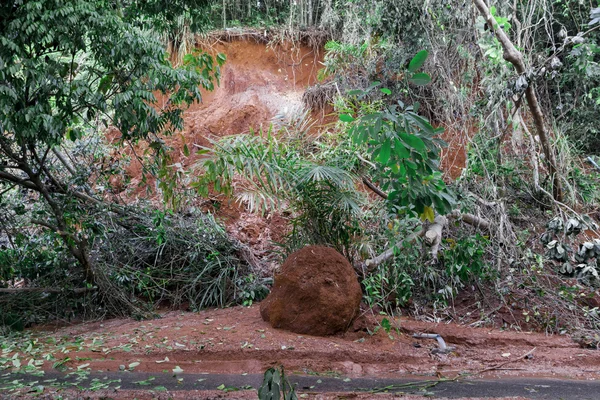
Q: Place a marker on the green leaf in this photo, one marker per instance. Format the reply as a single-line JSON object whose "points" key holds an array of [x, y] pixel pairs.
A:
{"points": [[386, 91], [413, 141], [387, 326], [428, 214], [105, 83], [400, 149], [356, 92], [346, 118], [418, 61], [384, 154], [420, 79]]}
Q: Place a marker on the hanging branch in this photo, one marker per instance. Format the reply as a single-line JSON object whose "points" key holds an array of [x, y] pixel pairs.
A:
{"points": [[512, 55]]}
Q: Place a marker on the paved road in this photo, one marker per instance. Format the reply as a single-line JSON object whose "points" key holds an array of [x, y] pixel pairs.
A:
{"points": [[525, 387]]}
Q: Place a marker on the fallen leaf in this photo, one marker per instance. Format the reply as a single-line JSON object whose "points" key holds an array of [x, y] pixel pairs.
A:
{"points": [[177, 370]]}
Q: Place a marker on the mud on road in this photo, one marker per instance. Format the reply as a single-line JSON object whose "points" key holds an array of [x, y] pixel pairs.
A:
{"points": [[237, 340]]}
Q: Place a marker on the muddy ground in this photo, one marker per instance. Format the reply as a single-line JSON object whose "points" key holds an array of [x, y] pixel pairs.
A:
{"points": [[236, 341]]}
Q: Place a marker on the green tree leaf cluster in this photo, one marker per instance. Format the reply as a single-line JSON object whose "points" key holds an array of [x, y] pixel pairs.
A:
{"points": [[66, 67]]}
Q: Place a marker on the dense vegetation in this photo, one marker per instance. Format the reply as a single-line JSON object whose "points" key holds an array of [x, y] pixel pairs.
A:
{"points": [[517, 226]]}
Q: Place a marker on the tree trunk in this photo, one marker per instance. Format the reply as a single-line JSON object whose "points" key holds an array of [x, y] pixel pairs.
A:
{"points": [[78, 247], [512, 55]]}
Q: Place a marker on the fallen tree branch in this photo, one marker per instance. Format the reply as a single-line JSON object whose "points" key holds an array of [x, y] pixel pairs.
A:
{"points": [[48, 290], [389, 253], [433, 236], [473, 220]]}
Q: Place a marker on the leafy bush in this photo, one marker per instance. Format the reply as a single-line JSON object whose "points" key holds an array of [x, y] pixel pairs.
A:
{"points": [[143, 259], [465, 258], [164, 258], [572, 259]]}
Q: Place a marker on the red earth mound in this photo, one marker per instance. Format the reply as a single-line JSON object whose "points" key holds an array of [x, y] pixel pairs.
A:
{"points": [[316, 293]]}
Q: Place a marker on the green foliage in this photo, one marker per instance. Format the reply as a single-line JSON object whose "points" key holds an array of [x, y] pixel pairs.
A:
{"points": [[143, 259], [418, 60], [64, 63], [34, 258], [465, 258], [404, 147], [389, 287], [66, 68], [276, 386], [573, 259]]}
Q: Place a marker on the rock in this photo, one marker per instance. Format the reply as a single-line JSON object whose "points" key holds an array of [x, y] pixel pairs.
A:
{"points": [[316, 293]]}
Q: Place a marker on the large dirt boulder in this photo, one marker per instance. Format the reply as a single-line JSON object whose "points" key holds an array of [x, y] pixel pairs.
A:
{"points": [[316, 293]]}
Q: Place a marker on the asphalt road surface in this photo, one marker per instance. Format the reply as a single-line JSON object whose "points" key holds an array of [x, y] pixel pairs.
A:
{"points": [[533, 388]]}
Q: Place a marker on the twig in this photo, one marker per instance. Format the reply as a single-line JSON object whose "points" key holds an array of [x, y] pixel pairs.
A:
{"points": [[389, 253], [506, 362]]}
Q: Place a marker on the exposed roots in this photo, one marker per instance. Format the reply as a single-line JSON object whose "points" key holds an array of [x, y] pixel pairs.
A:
{"points": [[320, 95]]}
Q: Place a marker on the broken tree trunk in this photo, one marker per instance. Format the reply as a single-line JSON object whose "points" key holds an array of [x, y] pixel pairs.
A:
{"points": [[512, 55], [433, 236]]}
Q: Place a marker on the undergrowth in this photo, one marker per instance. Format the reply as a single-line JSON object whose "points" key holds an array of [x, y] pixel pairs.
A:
{"points": [[143, 260]]}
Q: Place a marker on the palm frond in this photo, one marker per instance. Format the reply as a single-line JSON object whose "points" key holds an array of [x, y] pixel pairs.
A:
{"points": [[339, 178]]}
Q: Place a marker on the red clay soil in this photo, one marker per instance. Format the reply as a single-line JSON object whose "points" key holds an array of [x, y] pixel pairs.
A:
{"points": [[257, 82], [236, 340], [454, 157], [316, 293]]}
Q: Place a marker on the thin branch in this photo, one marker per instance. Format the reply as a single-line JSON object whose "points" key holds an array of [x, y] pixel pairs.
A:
{"points": [[64, 161], [374, 188], [18, 181], [389, 253], [515, 57], [471, 219], [48, 290]]}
